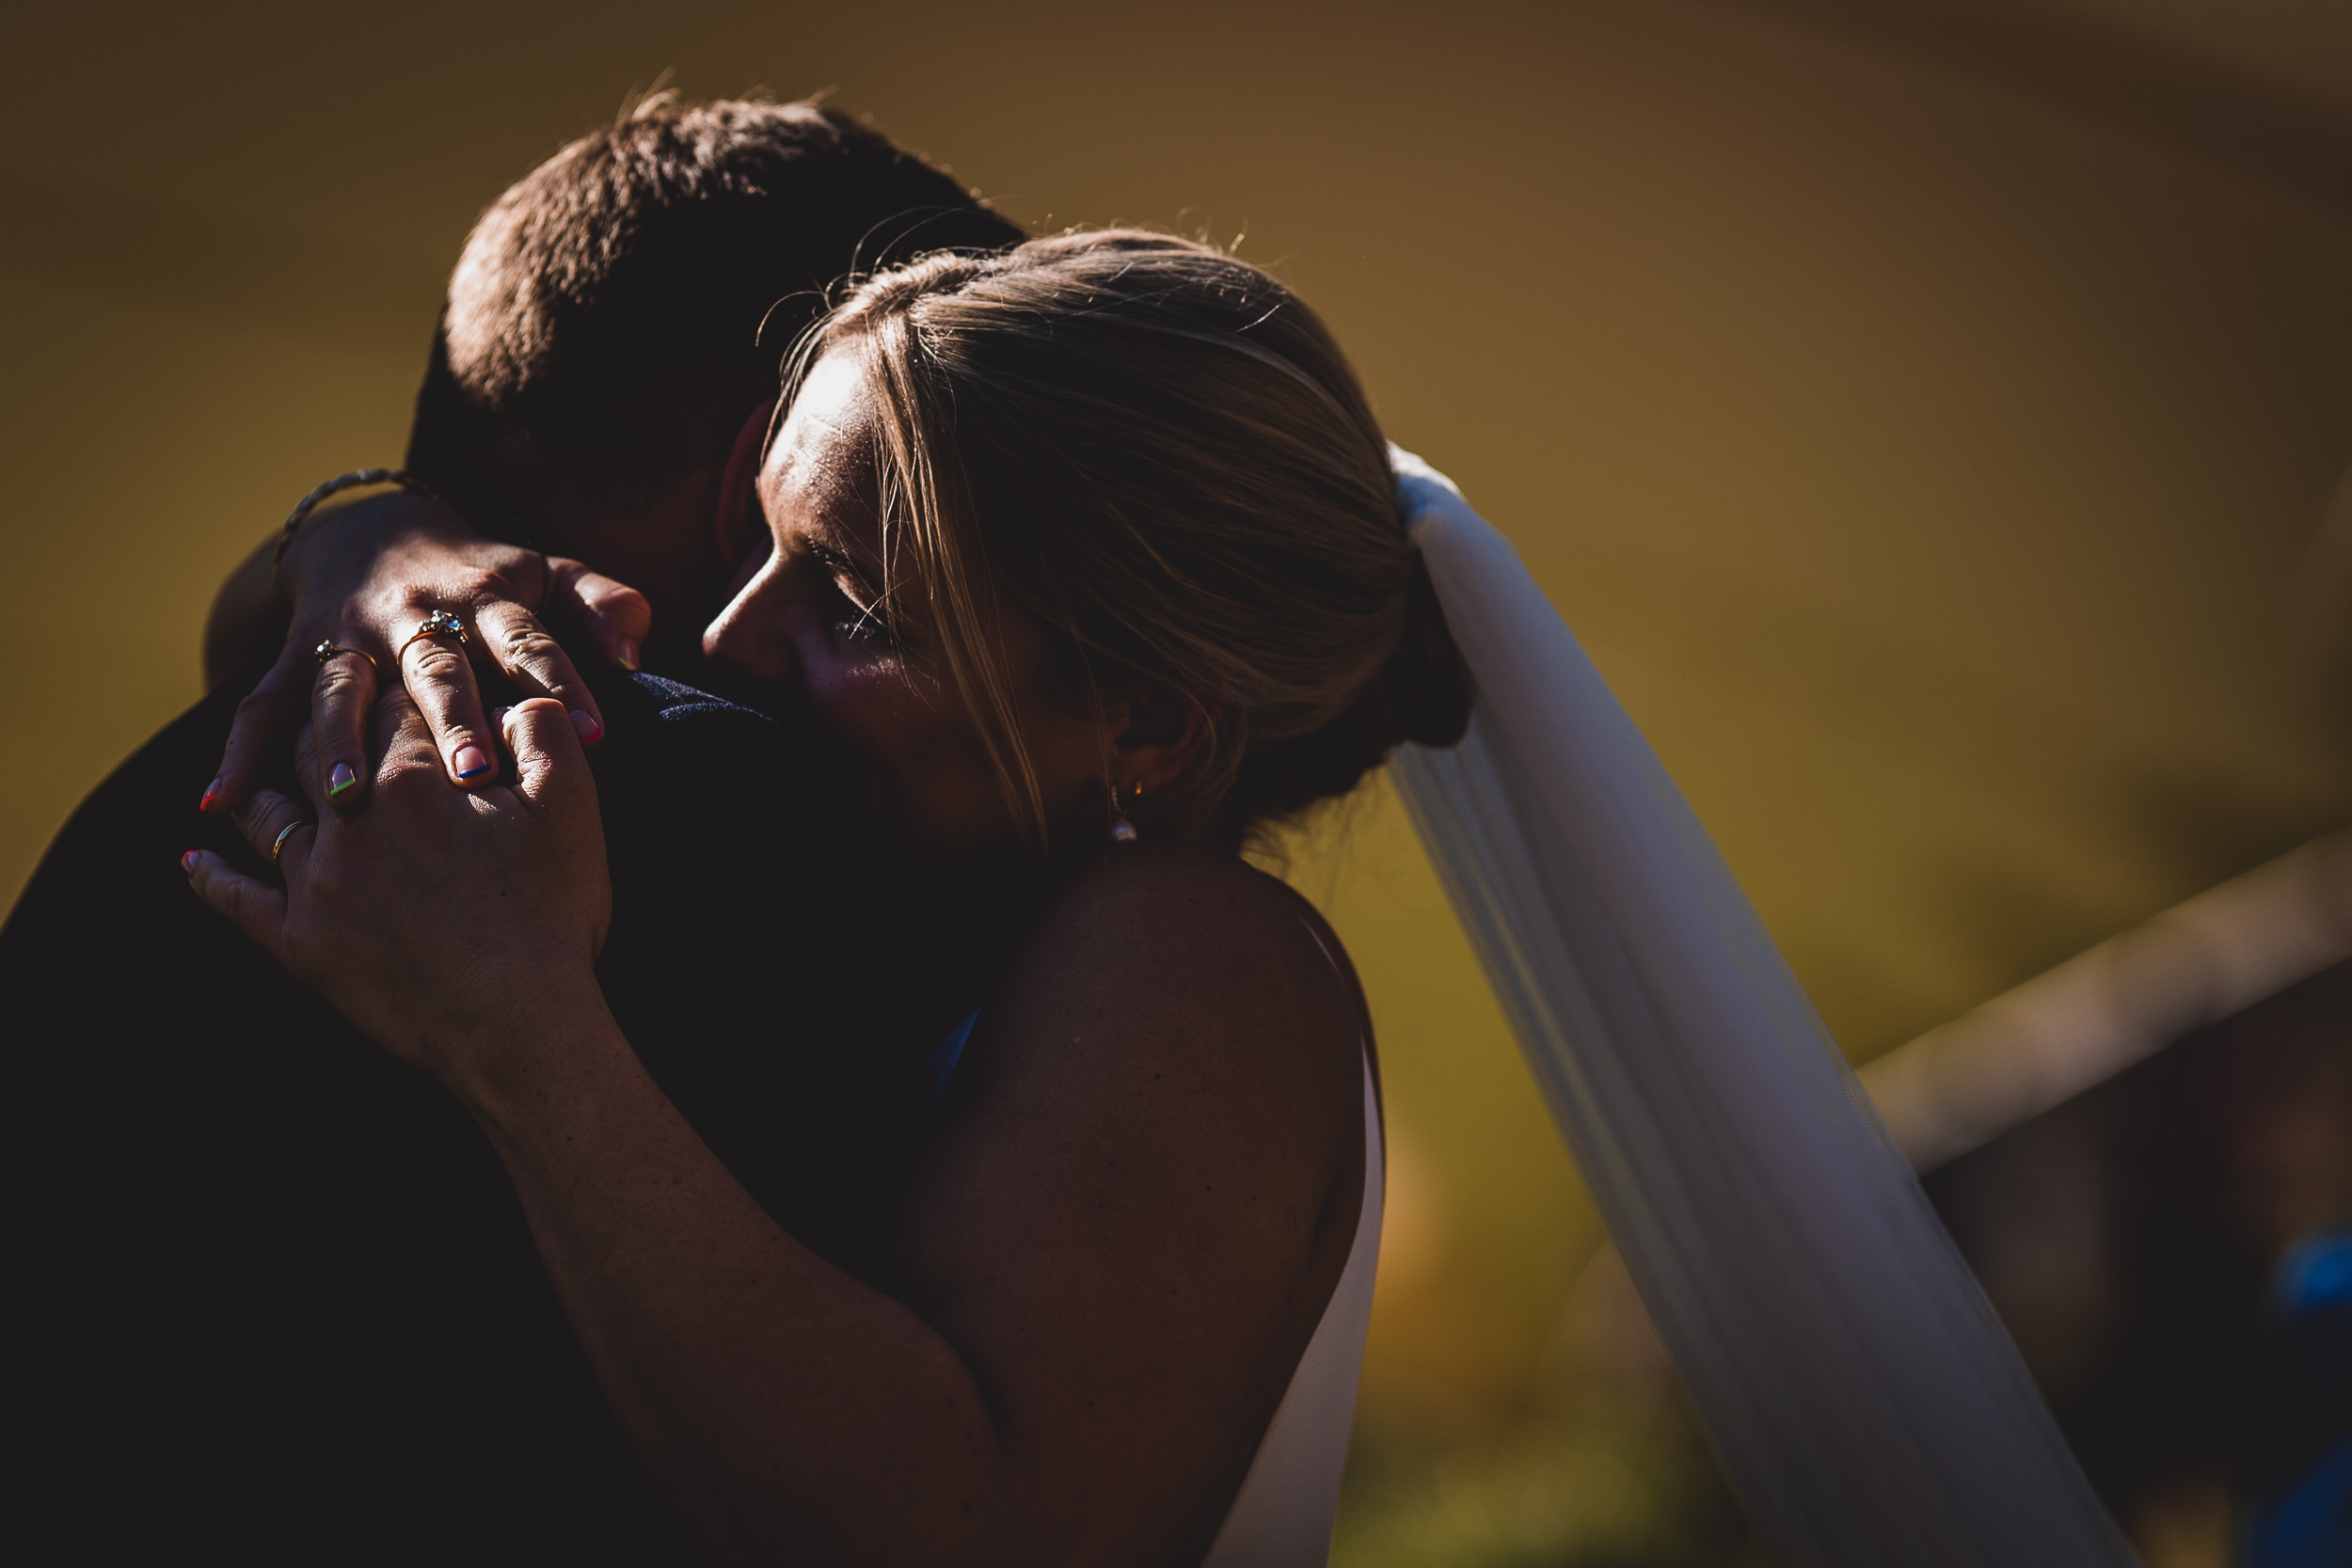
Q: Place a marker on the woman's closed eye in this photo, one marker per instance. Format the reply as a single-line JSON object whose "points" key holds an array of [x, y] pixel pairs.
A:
{"points": [[853, 606]]}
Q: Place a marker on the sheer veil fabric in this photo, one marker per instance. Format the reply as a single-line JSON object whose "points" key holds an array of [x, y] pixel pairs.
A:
{"points": [[1865, 1402]]}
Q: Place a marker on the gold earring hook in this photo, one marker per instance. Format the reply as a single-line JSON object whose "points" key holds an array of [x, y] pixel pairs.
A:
{"points": [[1123, 830]]}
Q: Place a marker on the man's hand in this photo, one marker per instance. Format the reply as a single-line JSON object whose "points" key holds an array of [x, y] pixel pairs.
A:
{"points": [[363, 580]]}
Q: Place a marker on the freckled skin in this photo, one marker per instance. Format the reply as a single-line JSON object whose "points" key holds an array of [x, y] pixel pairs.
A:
{"points": [[809, 616]]}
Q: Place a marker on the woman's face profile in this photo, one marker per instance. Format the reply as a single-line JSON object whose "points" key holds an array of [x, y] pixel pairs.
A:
{"points": [[814, 616]]}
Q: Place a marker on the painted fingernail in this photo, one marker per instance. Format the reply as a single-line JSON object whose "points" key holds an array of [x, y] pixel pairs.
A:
{"points": [[212, 793], [341, 779], [590, 731], [625, 654], [187, 862], [471, 763]]}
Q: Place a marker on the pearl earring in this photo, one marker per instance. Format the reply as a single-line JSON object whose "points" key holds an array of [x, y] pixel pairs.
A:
{"points": [[1123, 830]]}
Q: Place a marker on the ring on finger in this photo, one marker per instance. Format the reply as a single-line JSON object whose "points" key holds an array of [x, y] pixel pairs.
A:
{"points": [[326, 651], [278, 845], [439, 624]]}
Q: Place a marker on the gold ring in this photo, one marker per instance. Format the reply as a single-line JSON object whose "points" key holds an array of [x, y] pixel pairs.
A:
{"points": [[326, 651], [278, 845], [439, 624]]}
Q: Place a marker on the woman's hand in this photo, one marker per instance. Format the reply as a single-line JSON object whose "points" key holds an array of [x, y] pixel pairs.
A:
{"points": [[362, 580], [448, 925]]}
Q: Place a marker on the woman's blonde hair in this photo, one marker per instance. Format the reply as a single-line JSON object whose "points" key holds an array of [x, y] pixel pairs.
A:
{"points": [[1158, 454]]}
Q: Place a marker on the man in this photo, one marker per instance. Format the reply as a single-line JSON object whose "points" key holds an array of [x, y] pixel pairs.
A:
{"points": [[282, 1296]]}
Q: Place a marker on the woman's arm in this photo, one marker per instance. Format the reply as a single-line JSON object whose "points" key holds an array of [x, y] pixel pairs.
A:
{"points": [[1115, 1258]]}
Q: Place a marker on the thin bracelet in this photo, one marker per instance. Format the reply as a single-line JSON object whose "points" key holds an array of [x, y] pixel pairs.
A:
{"points": [[352, 480]]}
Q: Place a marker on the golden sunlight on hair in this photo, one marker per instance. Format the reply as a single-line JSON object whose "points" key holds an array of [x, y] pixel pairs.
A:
{"points": [[1158, 454]]}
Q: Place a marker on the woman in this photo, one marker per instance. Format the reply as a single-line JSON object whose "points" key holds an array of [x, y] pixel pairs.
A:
{"points": [[1088, 553]]}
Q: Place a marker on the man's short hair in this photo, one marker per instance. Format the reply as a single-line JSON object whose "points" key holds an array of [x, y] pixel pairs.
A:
{"points": [[626, 303]]}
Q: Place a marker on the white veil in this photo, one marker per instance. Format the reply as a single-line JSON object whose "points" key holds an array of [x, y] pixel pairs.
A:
{"points": [[1865, 1401]]}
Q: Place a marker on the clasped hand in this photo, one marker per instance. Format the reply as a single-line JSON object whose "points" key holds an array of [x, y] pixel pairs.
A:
{"points": [[363, 581], [448, 925]]}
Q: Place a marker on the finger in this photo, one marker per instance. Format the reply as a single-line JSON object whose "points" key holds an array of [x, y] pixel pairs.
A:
{"points": [[550, 771], [341, 696], [307, 769], [438, 676], [253, 907], [306, 758], [537, 665], [398, 735], [267, 712], [616, 615], [279, 828]]}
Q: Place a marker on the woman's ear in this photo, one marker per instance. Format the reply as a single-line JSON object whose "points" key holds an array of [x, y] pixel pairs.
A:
{"points": [[1155, 734], [734, 523]]}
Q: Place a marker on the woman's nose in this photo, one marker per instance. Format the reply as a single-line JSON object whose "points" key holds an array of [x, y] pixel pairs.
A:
{"points": [[749, 633]]}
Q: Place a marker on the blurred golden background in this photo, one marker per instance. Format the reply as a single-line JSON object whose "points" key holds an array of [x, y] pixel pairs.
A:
{"points": [[1928, 414]]}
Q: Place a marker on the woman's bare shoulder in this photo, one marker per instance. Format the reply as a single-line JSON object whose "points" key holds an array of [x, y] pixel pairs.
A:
{"points": [[1167, 919], [1172, 960], [1178, 880]]}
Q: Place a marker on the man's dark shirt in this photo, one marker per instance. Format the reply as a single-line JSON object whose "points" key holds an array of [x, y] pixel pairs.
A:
{"points": [[284, 1301]]}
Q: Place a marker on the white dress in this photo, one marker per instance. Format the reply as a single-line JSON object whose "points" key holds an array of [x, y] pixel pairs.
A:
{"points": [[1281, 1516]]}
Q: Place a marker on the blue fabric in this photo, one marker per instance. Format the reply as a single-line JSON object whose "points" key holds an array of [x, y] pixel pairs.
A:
{"points": [[2317, 1273], [946, 1054], [2307, 1523]]}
